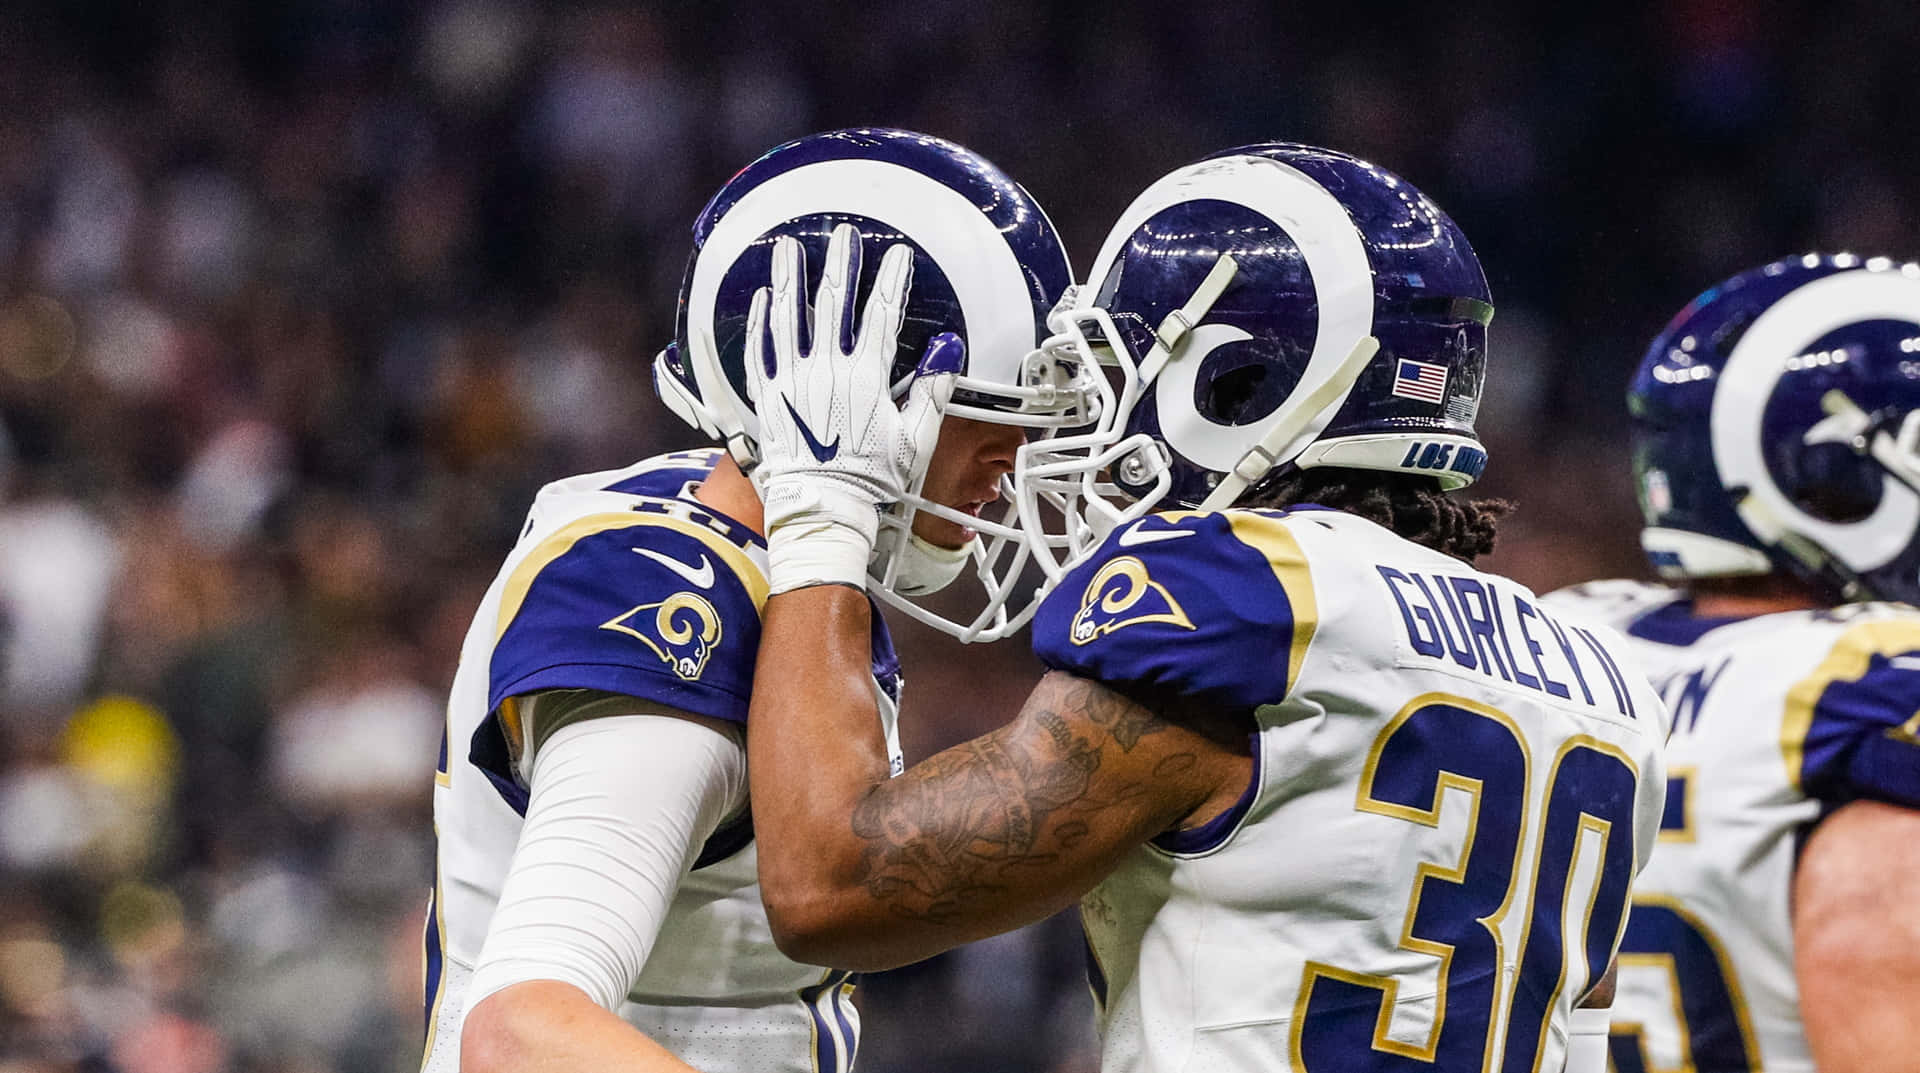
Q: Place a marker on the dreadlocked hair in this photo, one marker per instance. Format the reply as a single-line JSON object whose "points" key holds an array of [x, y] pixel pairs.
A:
{"points": [[1412, 506]]}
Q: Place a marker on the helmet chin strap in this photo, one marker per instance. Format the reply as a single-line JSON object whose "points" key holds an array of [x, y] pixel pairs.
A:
{"points": [[1765, 524], [910, 566], [1173, 328], [921, 568], [1264, 455]]}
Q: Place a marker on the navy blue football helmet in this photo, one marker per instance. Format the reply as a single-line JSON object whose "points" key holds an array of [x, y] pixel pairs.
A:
{"points": [[987, 266], [1776, 427], [1270, 308]]}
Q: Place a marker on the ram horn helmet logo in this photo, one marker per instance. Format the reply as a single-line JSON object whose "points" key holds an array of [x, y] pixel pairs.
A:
{"points": [[682, 630], [1122, 595]]}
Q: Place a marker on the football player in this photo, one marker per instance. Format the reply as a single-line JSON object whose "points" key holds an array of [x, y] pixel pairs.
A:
{"points": [[1329, 797], [596, 904], [1775, 423]]}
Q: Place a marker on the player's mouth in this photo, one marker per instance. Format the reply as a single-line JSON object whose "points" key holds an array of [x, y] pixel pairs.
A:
{"points": [[953, 534], [973, 508]]}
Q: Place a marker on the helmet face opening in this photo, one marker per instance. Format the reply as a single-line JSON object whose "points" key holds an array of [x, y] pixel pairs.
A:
{"points": [[987, 266]]}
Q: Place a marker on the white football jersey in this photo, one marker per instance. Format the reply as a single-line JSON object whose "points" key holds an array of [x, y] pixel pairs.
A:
{"points": [[1452, 791], [622, 582], [1774, 717]]}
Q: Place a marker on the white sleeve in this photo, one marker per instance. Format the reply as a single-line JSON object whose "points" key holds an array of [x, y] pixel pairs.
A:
{"points": [[1587, 1040], [620, 807]]}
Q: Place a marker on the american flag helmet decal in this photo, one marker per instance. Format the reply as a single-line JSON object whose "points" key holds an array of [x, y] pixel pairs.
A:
{"points": [[1422, 380]]}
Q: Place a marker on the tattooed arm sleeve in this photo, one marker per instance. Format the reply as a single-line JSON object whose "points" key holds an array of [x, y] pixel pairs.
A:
{"points": [[1007, 828], [865, 872]]}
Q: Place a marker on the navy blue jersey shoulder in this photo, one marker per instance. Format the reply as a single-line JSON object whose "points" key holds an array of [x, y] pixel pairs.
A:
{"points": [[1676, 625], [647, 607], [669, 476], [648, 603], [1853, 727], [1215, 606]]}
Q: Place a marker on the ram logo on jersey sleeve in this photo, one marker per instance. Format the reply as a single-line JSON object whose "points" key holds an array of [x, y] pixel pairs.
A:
{"points": [[1122, 594], [633, 603], [662, 607], [682, 630], [1214, 606]]}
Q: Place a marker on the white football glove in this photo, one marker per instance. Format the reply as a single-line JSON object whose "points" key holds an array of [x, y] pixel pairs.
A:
{"points": [[834, 449]]}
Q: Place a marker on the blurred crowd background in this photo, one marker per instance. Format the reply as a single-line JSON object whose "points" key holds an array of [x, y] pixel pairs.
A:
{"points": [[301, 301]]}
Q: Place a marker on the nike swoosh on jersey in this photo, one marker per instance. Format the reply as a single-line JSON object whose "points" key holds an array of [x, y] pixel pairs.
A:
{"points": [[821, 451], [701, 576], [1136, 536]]}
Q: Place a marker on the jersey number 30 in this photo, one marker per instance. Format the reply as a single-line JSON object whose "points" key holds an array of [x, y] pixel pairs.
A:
{"points": [[1440, 743]]}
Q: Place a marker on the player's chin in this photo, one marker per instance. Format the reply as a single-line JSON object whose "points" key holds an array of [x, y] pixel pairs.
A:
{"points": [[940, 532]]}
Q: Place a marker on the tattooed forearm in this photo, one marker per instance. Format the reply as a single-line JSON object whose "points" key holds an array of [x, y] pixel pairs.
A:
{"points": [[960, 827], [1124, 721]]}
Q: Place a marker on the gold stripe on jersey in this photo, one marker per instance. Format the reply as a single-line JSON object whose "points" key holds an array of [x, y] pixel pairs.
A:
{"points": [[1907, 732], [443, 772], [563, 540], [514, 728], [823, 1014], [1852, 654], [813, 1023], [844, 994], [1682, 774], [436, 919], [1268, 535], [1101, 994]]}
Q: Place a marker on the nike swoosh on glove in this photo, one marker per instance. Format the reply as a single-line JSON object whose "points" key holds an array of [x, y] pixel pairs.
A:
{"points": [[834, 448]]}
